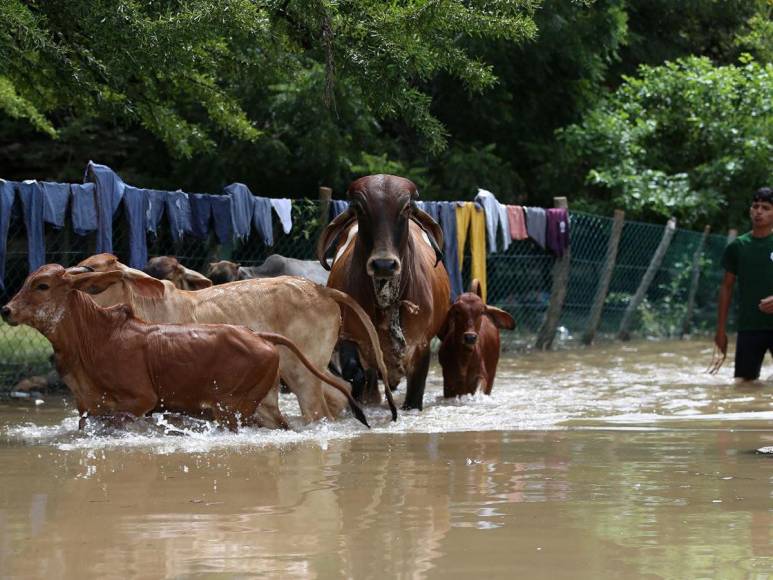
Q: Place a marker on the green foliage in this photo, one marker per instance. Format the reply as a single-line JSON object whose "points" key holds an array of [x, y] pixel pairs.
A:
{"points": [[689, 139]]}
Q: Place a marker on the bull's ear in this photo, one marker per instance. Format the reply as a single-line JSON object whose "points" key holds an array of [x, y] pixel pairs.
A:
{"points": [[500, 318], [100, 262], [475, 288], [432, 229], [331, 232], [194, 280], [94, 282]]}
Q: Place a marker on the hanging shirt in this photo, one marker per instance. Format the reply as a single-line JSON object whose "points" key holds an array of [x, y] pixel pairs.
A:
{"points": [[241, 209], [488, 202], [337, 207], [109, 191], [136, 205], [447, 220], [178, 212], [517, 222], [7, 192], [557, 231], [470, 216], [504, 227], [83, 209], [155, 209], [536, 224], [31, 195], [283, 208], [55, 198], [261, 219]]}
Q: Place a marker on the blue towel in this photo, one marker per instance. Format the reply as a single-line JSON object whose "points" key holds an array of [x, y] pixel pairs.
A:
{"points": [[55, 197], [241, 209], [337, 207], [447, 221], [109, 191], [261, 219], [83, 208], [431, 208], [136, 204], [7, 190], [178, 211], [155, 208], [31, 194]]}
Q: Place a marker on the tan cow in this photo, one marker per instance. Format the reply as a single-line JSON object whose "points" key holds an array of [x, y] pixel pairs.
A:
{"points": [[115, 363], [306, 313]]}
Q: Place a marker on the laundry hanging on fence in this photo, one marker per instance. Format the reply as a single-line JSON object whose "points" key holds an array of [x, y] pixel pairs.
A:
{"points": [[7, 194], [41, 202], [517, 222], [155, 209], [109, 191], [536, 223], [218, 207], [178, 212], [448, 223], [337, 207], [557, 230], [136, 204], [471, 216], [283, 208], [83, 208], [261, 219], [496, 221], [242, 208]]}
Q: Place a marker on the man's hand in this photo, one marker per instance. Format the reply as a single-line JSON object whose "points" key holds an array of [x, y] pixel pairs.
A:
{"points": [[766, 305], [720, 339]]}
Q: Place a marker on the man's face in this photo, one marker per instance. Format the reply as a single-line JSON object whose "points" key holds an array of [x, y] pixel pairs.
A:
{"points": [[761, 214]]}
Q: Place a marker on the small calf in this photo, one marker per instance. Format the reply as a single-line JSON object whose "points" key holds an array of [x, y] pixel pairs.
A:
{"points": [[469, 352], [169, 268], [117, 364]]}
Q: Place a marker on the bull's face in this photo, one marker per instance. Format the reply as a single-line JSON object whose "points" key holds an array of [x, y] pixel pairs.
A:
{"points": [[383, 208]]}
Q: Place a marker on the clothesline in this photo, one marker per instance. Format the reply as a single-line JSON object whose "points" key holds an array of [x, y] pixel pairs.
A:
{"points": [[94, 203]]}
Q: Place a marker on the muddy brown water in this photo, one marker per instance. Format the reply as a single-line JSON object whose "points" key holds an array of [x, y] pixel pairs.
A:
{"points": [[620, 461]]}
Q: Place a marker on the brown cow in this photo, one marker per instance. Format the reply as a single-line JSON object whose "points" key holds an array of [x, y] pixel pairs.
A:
{"points": [[169, 268], [390, 263], [115, 363], [469, 352], [304, 312]]}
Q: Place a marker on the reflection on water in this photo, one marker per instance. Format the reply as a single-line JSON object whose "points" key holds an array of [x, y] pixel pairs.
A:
{"points": [[606, 463]]}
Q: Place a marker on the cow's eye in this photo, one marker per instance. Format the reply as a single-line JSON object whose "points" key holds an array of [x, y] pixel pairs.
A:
{"points": [[42, 287]]}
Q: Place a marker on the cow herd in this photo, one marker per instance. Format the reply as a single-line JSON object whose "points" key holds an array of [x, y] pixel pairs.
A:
{"points": [[129, 342]]}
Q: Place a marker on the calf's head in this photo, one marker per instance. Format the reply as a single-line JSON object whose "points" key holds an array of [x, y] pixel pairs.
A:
{"points": [[382, 206], [223, 271], [42, 299], [169, 268], [465, 316]]}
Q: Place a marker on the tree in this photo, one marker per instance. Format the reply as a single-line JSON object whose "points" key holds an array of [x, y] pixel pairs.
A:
{"points": [[688, 138]]}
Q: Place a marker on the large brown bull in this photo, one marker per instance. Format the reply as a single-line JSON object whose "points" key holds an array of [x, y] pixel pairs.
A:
{"points": [[306, 313], [390, 263]]}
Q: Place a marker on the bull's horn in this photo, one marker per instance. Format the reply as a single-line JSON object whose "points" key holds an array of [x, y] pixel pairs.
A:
{"points": [[79, 269], [331, 232]]}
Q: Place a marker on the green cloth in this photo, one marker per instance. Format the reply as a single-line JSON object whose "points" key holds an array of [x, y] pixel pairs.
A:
{"points": [[751, 260]]}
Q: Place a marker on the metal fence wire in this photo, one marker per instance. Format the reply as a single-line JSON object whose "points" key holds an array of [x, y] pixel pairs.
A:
{"points": [[519, 280]]}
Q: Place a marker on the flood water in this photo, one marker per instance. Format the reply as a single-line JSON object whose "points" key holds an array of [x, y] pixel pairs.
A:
{"points": [[620, 461]]}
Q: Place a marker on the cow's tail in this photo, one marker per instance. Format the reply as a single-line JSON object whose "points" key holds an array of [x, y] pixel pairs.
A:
{"points": [[332, 381], [362, 316]]}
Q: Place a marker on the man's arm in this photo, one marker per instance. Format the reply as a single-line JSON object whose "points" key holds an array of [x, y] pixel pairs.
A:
{"points": [[766, 305], [725, 295]]}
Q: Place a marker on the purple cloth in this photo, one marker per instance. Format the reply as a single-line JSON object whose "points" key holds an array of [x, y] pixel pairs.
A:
{"points": [[557, 230]]}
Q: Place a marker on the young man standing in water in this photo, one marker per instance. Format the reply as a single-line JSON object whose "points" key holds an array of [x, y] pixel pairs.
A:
{"points": [[749, 259]]}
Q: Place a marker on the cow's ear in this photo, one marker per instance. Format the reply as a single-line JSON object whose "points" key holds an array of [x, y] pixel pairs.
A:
{"points": [[331, 232], [500, 318], [447, 327], [431, 228], [194, 280], [94, 282]]}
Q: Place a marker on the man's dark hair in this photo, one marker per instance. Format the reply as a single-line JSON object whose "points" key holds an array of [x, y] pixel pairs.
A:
{"points": [[763, 194]]}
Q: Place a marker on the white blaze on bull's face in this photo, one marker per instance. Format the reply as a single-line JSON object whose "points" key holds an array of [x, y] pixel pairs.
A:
{"points": [[41, 301]]}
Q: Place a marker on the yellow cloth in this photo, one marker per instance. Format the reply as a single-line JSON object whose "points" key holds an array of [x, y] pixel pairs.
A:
{"points": [[470, 215]]}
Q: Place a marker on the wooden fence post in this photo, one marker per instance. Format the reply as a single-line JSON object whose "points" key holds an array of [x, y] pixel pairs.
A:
{"points": [[649, 276], [696, 273], [557, 292], [606, 277], [325, 195]]}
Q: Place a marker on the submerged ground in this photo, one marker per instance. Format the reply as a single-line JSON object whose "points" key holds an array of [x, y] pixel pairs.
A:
{"points": [[610, 462]]}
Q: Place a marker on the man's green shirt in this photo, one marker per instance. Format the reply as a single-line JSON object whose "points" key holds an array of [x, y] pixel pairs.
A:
{"points": [[751, 260]]}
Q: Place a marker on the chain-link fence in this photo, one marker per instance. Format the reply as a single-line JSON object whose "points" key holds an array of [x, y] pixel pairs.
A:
{"points": [[519, 280]]}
